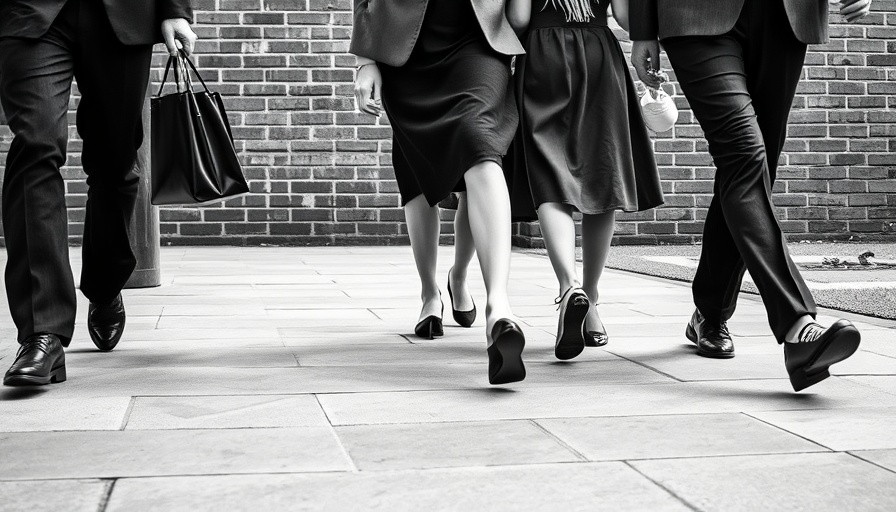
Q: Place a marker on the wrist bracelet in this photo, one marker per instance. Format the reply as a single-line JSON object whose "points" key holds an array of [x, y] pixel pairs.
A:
{"points": [[358, 68]]}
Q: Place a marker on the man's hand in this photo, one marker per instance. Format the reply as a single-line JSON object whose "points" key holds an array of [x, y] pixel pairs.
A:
{"points": [[177, 31], [646, 57], [368, 89], [854, 10]]}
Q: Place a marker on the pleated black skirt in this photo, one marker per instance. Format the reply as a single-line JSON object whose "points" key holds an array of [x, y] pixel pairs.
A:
{"points": [[582, 140]]}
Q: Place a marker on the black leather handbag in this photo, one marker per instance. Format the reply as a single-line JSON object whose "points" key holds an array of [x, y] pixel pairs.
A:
{"points": [[193, 158]]}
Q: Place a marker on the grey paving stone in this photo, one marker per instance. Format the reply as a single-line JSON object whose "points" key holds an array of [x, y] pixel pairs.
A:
{"points": [[658, 437], [566, 487], [810, 482], [67, 495], [26, 410], [838, 429], [66, 455], [435, 445], [595, 400], [207, 412]]}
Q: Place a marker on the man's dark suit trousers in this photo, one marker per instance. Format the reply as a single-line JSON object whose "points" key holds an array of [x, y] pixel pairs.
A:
{"points": [[740, 86], [35, 87]]}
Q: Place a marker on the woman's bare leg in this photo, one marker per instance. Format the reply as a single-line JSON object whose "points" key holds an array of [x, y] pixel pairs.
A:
{"points": [[423, 230], [559, 233], [464, 250], [489, 211], [597, 234]]}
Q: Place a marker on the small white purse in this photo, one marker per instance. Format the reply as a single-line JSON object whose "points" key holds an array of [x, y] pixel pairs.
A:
{"points": [[657, 108]]}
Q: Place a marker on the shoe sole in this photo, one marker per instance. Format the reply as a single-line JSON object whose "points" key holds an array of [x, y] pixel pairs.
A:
{"points": [[842, 344], [508, 349], [692, 335], [570, 339], [56, 376]]}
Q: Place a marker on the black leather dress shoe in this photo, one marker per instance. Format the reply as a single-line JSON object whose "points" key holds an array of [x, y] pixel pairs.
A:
{"points": [[713, 340], [40, 360], [808, 361], [105, 323]]}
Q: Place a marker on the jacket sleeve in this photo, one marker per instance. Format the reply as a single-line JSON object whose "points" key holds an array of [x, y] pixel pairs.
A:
{"points": [[170, 9], [643, 20], [362, 38]]}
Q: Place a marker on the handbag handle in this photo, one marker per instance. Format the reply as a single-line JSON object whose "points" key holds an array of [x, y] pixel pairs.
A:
{"points": [[181, 73]]}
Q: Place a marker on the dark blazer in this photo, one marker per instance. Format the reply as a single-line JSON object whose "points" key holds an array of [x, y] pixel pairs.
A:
{"points": [[134, 21], [652, 19], [386, 30]]}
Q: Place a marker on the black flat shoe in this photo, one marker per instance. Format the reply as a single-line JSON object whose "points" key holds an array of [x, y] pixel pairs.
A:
{"points": [[573, 307], [463, 318], [40, 360], [808, 361], [505, 353], [430, 327], [105, 323], [712, 340]]}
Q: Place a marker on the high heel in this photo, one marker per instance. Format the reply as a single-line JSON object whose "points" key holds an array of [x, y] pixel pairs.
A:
{"points": [[463, 318], [596, 338], [431, 326], [573, 306], [505, 353]]}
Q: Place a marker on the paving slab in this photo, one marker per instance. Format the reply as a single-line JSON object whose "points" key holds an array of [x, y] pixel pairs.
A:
{"points": [[25, 410], [566, 487], [686, 435], [861, 429], [116, 454], [436, 445], [883, 458], [68, 495], [220, 412], [806, 482], [595, 400]]}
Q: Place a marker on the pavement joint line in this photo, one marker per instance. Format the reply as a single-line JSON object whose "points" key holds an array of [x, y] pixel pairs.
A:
{"points": [[107, 494], [127, 413], [782, 429], [579, 455], [643, 365], [853, 453], [672, 493]]}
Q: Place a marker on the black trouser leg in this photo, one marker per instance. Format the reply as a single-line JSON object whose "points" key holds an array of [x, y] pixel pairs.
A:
{"points": [[720, 76], [112, 79], [35, 85]]}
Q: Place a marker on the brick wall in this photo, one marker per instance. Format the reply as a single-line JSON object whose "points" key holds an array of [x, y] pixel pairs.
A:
{"points": [[320, 171]]}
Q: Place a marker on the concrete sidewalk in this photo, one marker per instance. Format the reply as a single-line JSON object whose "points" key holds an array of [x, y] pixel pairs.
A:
{"points": [[290, 379]]}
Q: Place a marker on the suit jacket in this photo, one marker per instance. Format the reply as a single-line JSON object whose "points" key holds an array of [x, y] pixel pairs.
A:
{"points": [[386, 30], [652, 19], [134, 21]]}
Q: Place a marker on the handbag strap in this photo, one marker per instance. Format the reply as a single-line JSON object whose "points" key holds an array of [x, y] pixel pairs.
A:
{"points": [[179, 61]]}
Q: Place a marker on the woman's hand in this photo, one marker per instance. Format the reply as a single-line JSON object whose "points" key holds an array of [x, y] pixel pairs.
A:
{"points": [[854, 10], [368, 89]]}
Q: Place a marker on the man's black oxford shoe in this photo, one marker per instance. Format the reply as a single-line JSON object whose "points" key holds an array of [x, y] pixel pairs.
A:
{"points": [[105, 323], [713, 340], [807, 361], [40, 360]]}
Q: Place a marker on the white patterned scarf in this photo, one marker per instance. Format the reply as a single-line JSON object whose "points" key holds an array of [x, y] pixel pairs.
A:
{"points": [[576, 10]]}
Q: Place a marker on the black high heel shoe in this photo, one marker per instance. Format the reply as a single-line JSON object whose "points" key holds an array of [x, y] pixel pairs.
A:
{"points": [[595, 338], [463, 318], [431, 326], [505, 353]]}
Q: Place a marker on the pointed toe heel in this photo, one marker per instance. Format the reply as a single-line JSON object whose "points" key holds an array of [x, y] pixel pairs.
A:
{"points": [[505, 353], [463, 318]]}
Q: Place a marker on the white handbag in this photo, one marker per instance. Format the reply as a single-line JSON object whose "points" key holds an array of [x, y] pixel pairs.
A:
{"points": [[657, 108]]}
